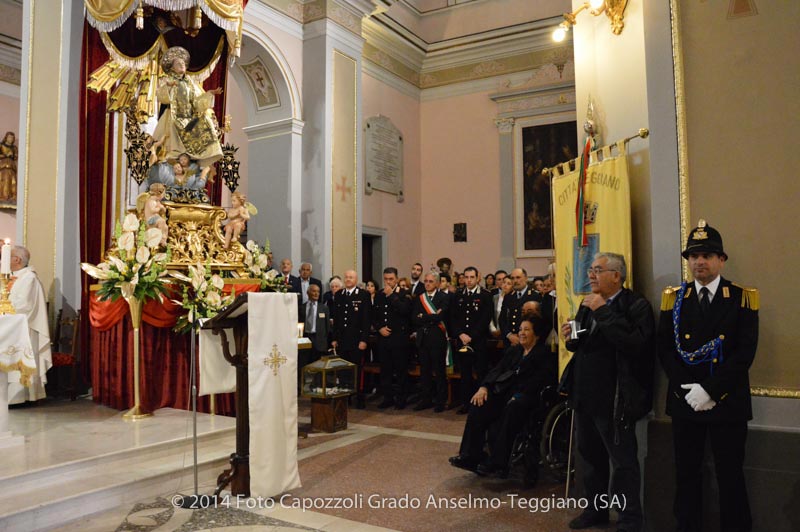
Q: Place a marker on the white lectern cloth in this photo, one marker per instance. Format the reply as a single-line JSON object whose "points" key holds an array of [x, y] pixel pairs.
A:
{"points": [[216, 373], [272, 378]]}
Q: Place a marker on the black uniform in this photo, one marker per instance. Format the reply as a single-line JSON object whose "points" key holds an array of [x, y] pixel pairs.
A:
{"points": [[733, 318], [393, 311], [431, 332], [511, 313], [471, 313], [352, 317]]}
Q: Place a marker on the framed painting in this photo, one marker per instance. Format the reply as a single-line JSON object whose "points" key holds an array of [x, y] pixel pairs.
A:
{"points": [[539, 142]]}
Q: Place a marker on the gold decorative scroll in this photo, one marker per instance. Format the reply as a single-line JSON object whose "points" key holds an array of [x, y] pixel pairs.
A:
{"points": [[195, 237]]}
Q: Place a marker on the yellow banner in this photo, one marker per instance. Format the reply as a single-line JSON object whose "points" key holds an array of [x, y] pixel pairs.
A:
{"points": [[607, 201]]}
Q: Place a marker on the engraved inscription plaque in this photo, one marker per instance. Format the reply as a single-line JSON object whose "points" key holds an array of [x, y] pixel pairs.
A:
{"points": [[384, 153]]}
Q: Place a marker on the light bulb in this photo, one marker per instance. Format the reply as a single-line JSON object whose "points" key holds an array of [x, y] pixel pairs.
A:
{"points": [[596, 4], [559, 34]]}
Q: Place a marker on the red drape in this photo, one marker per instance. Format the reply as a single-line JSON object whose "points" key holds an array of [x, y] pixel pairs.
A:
{"points": [[165, 356]]}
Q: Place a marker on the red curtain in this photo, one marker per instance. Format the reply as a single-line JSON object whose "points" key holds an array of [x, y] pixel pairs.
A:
{"points": [[165, 356]]}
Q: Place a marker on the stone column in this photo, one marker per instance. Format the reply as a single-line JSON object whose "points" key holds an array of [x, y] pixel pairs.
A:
{"points": [[332, 148], [47, 204], [505, 126]]}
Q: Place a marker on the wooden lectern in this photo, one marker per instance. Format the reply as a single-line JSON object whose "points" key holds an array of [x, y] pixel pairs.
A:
{"points": [[235, 317]]}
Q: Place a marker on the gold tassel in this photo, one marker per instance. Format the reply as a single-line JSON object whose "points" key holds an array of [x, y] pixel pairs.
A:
{"points": [[198, 17], [668, 298], [140, 17]]}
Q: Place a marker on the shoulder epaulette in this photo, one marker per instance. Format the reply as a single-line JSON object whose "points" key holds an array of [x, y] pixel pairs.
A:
{"points": [[750, 298], [668, 297]]}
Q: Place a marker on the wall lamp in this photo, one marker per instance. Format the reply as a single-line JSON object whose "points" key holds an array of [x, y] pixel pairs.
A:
{"points": [[614, 9]]}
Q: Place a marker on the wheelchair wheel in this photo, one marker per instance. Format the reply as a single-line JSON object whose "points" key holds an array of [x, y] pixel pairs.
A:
{"points": [[555, 440]]}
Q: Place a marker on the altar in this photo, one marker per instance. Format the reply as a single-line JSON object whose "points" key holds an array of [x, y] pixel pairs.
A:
{"points": [[165, 355]]}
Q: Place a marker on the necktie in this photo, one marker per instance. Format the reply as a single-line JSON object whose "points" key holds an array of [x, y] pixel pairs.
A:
{"points": [[519, 295], [311, 316], [705, 304]]}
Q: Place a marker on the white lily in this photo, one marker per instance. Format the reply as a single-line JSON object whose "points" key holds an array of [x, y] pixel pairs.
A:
{"points": [[119, 264], [126, 241], [262, 262], [217, 282], [94, 271], [142, 255], [152, 237], [213, 299], [130, 223]]}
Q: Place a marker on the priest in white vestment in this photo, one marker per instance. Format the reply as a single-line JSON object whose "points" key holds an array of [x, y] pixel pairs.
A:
{"points": [[27, 296]]}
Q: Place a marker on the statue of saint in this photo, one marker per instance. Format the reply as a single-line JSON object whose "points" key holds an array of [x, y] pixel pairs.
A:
{"points": [[187, 126], [8, 169]]}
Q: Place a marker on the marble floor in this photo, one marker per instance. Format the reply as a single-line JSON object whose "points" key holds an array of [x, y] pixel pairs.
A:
{"points": [[387, 471]]}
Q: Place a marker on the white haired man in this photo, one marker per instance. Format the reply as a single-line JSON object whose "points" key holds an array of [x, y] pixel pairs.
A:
{"points": [[27, 296]]}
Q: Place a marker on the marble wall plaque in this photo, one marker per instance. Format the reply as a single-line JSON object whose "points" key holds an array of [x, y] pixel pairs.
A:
{"points": [[384, 153]]}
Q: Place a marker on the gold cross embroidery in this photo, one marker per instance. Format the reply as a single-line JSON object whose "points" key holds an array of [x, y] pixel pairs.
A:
{"points": [[275, 360]]}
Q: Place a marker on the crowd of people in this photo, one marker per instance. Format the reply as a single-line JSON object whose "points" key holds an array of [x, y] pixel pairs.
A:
{"points": [[705, 339]]}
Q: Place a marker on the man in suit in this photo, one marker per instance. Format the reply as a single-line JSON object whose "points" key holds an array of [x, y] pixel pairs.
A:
{"points": [[315, 316], [417, 286], [352, 316], [391, 312], [429, 315], [707, 339], [306, 280], [286, 274], [511, 313], [611, 388], [470, 315]]}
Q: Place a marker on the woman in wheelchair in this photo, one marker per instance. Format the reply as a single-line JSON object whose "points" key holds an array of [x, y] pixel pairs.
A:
{"points": [[506, 397]]}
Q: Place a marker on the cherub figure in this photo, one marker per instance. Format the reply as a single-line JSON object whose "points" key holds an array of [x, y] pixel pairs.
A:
{"points": [[238, 215], [152, 210]]}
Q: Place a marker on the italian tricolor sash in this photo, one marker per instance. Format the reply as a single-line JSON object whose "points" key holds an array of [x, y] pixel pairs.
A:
{"points": [[430, 308]]}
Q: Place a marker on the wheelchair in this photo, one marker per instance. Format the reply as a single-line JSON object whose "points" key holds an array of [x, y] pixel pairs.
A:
{"points": [[544, 441]]}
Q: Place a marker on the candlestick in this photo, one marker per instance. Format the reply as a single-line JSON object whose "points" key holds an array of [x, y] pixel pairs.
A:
{"points": [[5, 257]]}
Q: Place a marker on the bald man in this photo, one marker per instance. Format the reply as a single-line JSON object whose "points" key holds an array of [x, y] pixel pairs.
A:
{"points": [[352, 314]]}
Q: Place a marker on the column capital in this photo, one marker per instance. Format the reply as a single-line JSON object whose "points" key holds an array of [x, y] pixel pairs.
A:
{"points": [[504, 125]]}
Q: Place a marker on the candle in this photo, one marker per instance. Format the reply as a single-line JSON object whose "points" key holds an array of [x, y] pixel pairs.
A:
{"points": [[5, 258]]}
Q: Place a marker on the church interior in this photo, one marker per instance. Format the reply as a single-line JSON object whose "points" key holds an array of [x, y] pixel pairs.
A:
{"points": [[211, 142]]}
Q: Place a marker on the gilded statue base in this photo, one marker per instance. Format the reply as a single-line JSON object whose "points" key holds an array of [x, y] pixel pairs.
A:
{"points": [[195, 236], [136, 413], [5, 303]]}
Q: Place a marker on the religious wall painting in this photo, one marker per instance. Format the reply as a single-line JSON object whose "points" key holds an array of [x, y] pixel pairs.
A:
{"points": [[260, 81], [541, 143]]}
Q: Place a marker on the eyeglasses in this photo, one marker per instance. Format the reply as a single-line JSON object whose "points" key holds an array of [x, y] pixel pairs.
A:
{"points": [[597, 271]]}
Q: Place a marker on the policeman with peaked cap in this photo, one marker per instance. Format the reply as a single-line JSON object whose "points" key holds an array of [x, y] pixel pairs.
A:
{"points": [[707, 338]]}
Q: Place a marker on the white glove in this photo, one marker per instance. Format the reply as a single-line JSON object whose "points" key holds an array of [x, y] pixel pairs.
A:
{"points": [[697, 397], [708, 405]]}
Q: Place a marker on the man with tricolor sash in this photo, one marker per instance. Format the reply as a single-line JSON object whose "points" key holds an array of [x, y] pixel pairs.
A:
{"points": [[430, 314], [708, 333]]}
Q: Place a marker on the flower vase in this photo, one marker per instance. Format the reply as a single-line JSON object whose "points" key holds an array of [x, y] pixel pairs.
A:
{"points": [[137, 412]]}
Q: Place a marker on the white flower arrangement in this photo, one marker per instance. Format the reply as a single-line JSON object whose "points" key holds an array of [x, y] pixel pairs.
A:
{"points": [[256, 260], [133, 267], [203, 296]]}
